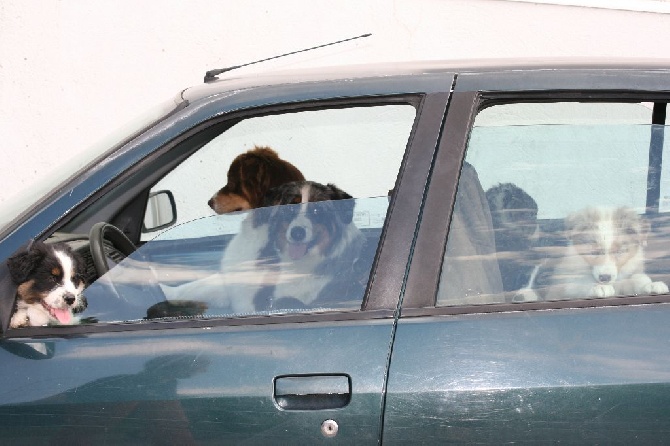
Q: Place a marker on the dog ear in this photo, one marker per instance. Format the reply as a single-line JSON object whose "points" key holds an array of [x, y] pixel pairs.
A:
{"points": [[267, 206], [337, 193], [345, 209], [23, 264], [80, 266], [250, 175]]}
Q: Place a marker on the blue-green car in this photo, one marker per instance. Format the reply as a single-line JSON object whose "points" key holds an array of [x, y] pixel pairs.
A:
{"points": [[470, 313]]}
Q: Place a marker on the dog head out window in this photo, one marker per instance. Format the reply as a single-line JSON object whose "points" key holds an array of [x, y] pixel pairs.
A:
{"points": [[559, 200]]}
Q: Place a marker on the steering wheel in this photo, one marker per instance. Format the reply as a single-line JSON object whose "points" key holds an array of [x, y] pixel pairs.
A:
{"points": [[135, 300], [104, 231]]}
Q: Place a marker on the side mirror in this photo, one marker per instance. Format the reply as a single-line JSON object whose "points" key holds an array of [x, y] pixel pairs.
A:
{"points": [[161, 211]]}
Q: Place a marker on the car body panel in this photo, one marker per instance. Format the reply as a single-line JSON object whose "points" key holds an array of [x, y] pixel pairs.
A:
{"points": [[569, 371], [199, 384], [571, 375]]}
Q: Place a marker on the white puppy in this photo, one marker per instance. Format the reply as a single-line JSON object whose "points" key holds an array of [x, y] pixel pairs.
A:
{"points": [[604, 256]]}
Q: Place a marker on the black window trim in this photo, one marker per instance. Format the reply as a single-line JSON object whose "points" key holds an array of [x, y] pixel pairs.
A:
{"points": [[426, 264], [64, 331]]}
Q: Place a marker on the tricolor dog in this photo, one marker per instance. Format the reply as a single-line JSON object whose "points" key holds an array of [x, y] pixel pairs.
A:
{"points": [[49, 285], [315, 244], [298, 250]]}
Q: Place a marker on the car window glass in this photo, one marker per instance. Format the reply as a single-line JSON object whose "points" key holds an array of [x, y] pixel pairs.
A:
{"points": [[306, 257], [552, 204], [246, 263], [358, 148]]}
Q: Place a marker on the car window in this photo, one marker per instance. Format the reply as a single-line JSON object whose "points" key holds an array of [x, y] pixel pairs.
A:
{"points": [[247, 263], [309, 250], [559, 201], [357, 148]]}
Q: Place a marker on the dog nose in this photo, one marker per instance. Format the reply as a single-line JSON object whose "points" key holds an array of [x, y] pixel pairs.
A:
{"points": [[69, 298], [211, 203], [604, 278], [298, 233]]}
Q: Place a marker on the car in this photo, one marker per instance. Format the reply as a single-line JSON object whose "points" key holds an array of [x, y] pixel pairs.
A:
{"points": [[489, 297]]}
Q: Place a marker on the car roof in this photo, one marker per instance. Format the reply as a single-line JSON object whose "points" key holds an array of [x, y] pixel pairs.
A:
{"points": [[240, 80]]}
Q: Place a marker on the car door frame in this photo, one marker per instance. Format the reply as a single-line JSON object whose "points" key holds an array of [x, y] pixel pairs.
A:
{"points": [[421, 320], [101, 176], [472, 92], [377, 317]]}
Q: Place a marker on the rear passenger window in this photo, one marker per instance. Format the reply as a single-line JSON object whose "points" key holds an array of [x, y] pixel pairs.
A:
{"points": [[560, 201]]}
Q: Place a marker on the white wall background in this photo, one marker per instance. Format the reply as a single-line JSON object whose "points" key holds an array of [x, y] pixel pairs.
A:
{"points": [[72, 71]]}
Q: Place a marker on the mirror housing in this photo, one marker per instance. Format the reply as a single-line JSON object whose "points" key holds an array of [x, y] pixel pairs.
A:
{"points": [[161, 211]]}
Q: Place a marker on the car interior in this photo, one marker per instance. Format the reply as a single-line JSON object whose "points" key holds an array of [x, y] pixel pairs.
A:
{"points": [[527, 167]]}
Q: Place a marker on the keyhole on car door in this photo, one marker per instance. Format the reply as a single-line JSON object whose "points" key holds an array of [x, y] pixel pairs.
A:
{"points": [[329, 428]]}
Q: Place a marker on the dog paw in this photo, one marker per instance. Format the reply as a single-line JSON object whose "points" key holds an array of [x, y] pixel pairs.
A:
{"points": [[19, 320], [525, 295], [656, 288], [602, 290]]}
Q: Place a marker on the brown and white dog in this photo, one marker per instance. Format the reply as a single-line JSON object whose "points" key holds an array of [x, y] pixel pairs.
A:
{"points": [[250, 176], [49, 279], [604, 256]]}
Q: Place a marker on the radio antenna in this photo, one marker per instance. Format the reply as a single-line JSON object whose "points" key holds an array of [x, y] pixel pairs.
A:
{"points": [[210, 76]]}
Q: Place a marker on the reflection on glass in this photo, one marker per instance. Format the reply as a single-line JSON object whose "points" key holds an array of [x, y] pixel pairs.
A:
{"points": [[556, 212], [303, 257]]}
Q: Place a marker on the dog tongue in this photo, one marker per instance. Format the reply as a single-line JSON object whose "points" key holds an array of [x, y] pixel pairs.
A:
{"points": [[297, 250], [63, 316]]}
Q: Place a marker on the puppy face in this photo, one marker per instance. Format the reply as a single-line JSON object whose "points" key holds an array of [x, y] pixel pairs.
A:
{"points": [[608, 240], [313, 223], [51, 276], [249, 177]]}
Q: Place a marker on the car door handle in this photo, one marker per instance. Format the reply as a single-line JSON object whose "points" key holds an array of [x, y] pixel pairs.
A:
{"points": [[312, 392]]}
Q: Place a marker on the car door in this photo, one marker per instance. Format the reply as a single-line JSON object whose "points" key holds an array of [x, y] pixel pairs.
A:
{"points": [[292, 376], [493, 344]]}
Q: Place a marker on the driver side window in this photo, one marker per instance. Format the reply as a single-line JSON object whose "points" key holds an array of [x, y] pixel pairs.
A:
{"points": [[310, 245]]}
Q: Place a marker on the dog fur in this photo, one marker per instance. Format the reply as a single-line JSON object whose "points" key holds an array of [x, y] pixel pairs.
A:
{"points": [[286, 256], [315, 246], [516, 232], [604, 256], [250, 176], [49, 280]]}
